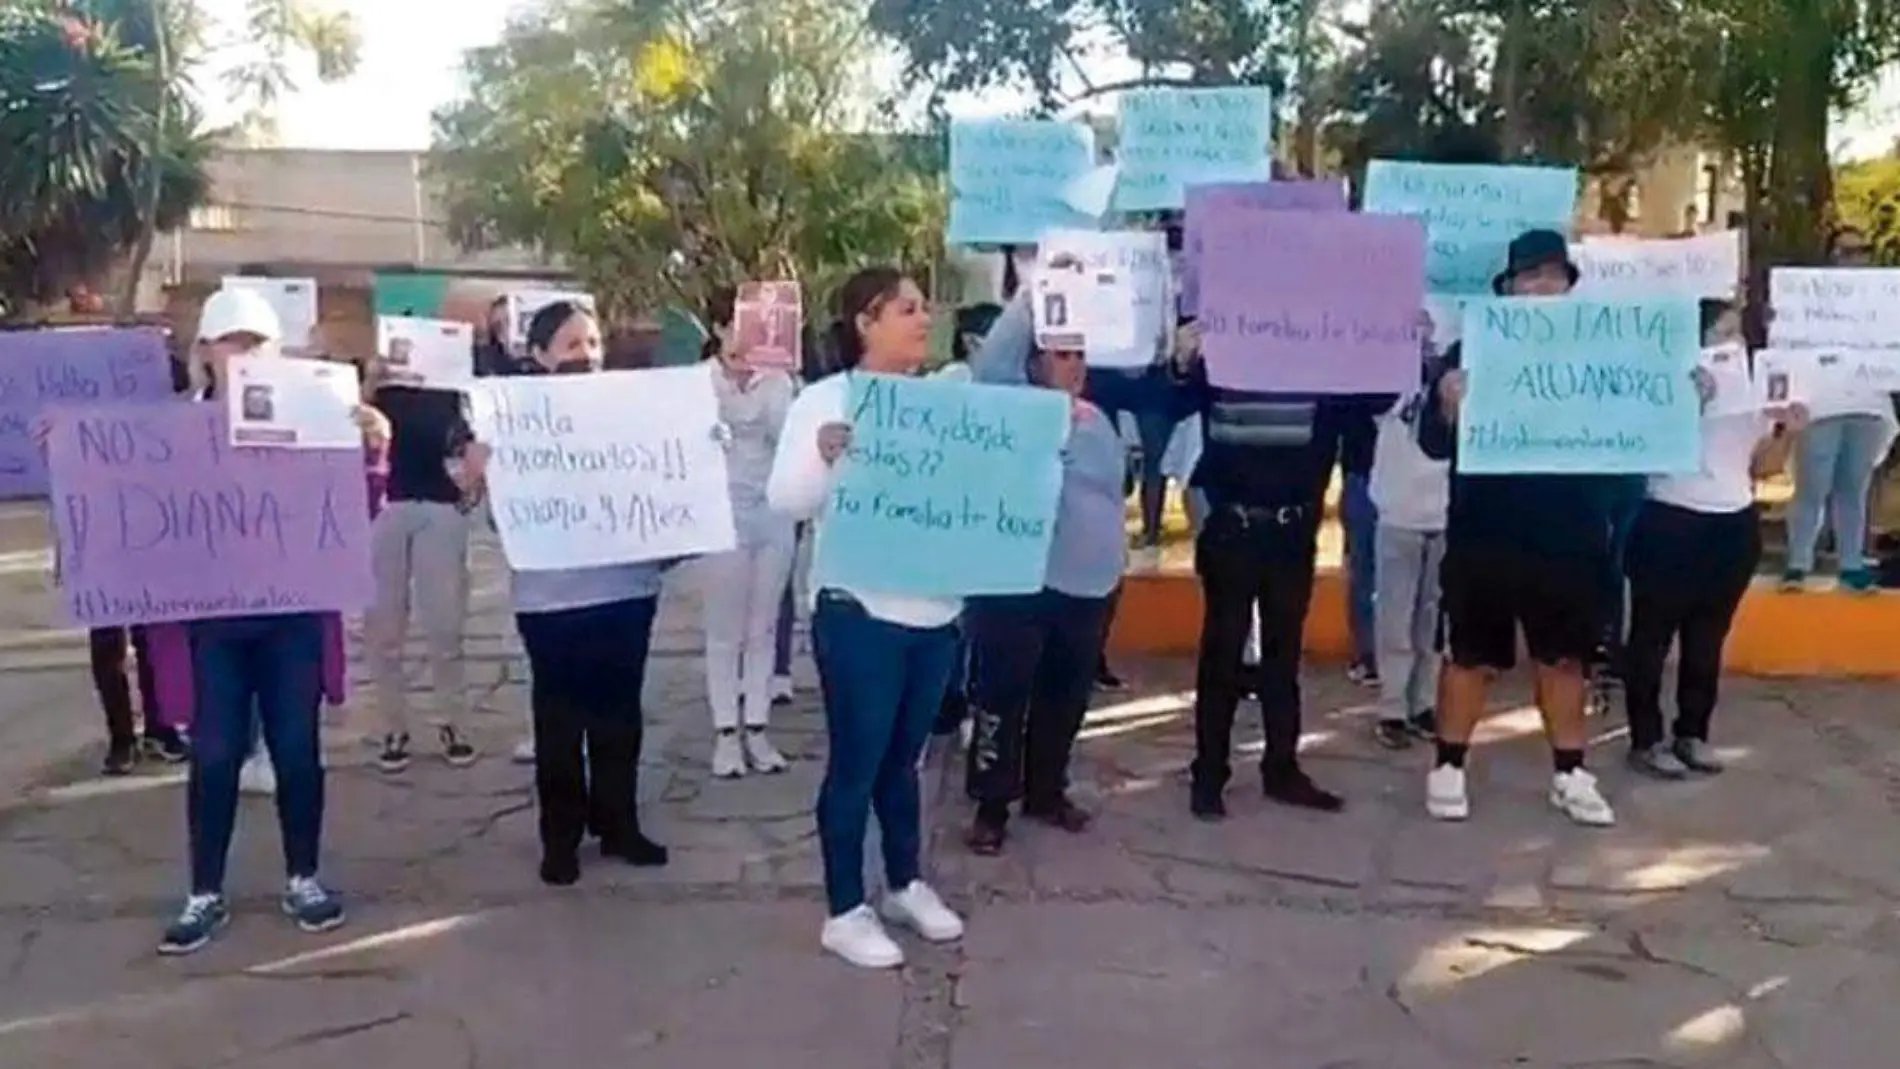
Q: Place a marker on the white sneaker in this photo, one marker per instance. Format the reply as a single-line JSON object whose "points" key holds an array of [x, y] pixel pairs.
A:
{"points": [[728, 758], [918, 908], [1146, 559], [759, 751], [257, 776], [1446, 797], [524, 751], [859, 938], [1576, 793], [782, 690]]}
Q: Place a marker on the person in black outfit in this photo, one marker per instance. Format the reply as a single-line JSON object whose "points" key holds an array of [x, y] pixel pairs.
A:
{"points": [[1264, 466], [1521, 551]]}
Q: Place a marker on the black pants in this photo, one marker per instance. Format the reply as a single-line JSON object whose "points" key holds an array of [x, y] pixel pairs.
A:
{"points": [[1258, 558], [1032, 668], [1688, 572], [109, 648], [587, 667]]}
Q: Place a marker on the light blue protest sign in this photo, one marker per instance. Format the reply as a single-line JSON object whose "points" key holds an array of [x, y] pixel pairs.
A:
{"points": [[1471, 213], [949, 489], [1573, 386], [1008, 178], [1173, 138]]}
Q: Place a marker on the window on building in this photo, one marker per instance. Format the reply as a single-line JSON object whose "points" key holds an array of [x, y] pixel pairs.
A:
{"points": [[214, 217]]}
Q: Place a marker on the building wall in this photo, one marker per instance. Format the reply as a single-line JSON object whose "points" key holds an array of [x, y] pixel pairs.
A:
{"points": [[323, 209]]}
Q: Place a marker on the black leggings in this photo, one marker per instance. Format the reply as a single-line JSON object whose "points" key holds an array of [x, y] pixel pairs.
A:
{"points": [[587, 667], [1688, 571], [110, 646]]}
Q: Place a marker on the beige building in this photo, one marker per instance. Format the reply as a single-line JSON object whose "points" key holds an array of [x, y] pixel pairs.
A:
{"points": [[336, 216]]}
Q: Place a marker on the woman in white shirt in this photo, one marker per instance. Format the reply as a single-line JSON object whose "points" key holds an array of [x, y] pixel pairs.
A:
{"points": [[883, 659], [743, 585], [1692, 554]]}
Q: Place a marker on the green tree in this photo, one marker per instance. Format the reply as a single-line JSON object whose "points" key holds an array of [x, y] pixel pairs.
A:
{"points": [[1867, 198], [104, 143], [663, 150]]}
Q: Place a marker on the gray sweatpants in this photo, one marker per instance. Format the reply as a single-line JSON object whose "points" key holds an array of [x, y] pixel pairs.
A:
{"points": [[1405, 619], [419, 547]]}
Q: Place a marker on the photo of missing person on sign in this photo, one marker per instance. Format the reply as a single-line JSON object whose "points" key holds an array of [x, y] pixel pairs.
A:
{"points": [[258, 404], [768, 323]]}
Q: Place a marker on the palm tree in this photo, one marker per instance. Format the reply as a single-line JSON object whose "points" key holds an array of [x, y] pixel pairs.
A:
{"points": [[105, 145]]}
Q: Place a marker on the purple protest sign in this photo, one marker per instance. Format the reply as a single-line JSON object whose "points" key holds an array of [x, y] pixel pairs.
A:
{"points": [[158, 519], [82, 365], [1291, 195], [1312, 302]]}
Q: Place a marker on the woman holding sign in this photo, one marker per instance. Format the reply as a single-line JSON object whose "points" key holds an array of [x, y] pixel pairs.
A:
{"points": [[1692, 553], [744, 584], [883, 660], [1033, 657], [586, 631], [240, 673]]}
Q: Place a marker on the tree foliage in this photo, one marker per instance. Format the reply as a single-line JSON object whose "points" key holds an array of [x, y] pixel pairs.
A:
{"points": [[104, 142], [666, 149], [1867, 196]]}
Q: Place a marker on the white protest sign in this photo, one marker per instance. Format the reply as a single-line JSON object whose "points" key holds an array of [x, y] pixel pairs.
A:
{"points": [[1737, 390], [523, 304], [1448, 319], [1830, 381], [1709, 265], [427, 352], [290, 403], [1856, 307], [1144, 297], [614, 467], [293, 299], [1077, 308]]}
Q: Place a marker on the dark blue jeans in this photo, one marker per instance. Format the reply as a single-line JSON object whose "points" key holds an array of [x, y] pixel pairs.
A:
{"points": [[246, 672], [787, 620], [1155, 400], [1626, 503], [1033, 661], [1360, 520], [883, 684]]}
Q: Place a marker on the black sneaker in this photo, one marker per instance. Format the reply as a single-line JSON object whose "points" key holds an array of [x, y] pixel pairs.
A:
{"points": [[456, 750], [1106, 679], [395, 756], [1393, 734], [1424, 724], [165, 745], [1295, 788], [121, 759]]}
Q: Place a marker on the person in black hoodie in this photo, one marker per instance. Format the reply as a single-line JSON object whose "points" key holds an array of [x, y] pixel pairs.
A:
{"points": [[1520, 551]]}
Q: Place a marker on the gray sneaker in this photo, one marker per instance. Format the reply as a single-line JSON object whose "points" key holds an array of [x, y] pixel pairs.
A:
{"points": [[1699, 756], [1659, 762]]}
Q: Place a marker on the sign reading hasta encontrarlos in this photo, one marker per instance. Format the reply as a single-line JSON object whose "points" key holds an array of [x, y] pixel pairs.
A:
{"points": [[1567, 385], [611, 468]]}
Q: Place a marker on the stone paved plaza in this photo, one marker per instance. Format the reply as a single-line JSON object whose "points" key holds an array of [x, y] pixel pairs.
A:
{"points": [[1746, 922]]}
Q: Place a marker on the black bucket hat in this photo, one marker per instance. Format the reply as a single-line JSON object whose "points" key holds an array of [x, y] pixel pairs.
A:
{"points": [[1533, 249]]}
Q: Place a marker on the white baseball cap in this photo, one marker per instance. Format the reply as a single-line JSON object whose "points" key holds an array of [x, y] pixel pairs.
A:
{"points": [[238, 311]]}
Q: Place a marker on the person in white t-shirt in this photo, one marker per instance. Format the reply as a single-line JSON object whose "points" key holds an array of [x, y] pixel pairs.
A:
{"points": [[1692, 554]]}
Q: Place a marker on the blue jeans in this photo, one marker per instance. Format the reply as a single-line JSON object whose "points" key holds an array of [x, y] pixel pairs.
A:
{"points": [[1155, 401], [250, 672], [1360, 518], [883, 684], [1625, 503], [1833, 471], [787, 619]]}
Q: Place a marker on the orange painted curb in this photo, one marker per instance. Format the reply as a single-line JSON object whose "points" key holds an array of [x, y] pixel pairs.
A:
{"points": [[1823, 633]]}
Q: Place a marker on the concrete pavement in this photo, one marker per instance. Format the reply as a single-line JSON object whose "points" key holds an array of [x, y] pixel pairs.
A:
{"points": [[1746, 922]]}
